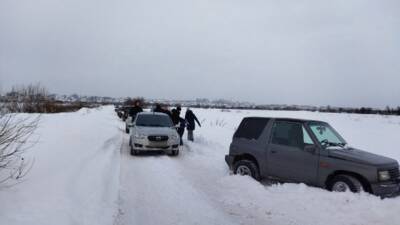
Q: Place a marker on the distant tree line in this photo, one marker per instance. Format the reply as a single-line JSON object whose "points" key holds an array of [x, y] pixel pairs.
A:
{"points": [[364, 110], [361, 110], [328, 109], [35, 98]]}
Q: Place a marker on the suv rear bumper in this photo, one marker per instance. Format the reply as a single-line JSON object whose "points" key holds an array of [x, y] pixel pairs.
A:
{"points": [[229, 160], [386, 190]]}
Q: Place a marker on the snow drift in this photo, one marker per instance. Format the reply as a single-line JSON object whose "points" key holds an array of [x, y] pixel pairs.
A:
{"points": [[75, 176]]}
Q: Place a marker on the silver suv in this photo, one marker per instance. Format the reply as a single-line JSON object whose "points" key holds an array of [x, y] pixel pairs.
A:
{"points": [[153, 132]]}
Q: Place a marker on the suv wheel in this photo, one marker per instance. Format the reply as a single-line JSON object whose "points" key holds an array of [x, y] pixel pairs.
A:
{"points": [[246, 168], [343, 183]]}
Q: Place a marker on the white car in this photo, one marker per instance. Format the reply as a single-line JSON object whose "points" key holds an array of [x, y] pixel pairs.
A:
{"points": [[153, 132]]}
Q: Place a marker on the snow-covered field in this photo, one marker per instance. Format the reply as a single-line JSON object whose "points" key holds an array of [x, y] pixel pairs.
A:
{"points": [[83, 174], [75, 176]]}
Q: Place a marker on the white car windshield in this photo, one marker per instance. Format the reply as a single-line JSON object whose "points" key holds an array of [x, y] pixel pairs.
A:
{"points": [[153, 121]]}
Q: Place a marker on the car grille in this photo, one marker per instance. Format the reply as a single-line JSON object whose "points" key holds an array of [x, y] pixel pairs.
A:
{"points": [[158, 138], [394, 173], [157, 147]]}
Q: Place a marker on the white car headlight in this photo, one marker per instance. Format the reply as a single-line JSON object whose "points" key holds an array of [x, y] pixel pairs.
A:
{"points": [[140, 136], [384, 175], [175, 137]]}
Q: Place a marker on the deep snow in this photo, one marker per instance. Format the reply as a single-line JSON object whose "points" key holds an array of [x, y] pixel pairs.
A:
{"points": [[83, 174], [75, 176]]}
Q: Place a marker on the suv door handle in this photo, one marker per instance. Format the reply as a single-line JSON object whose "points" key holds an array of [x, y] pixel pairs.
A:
{"points": [[273, 151]]}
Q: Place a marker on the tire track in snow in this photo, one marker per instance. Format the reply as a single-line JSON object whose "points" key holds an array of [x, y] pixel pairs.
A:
{"points": [[207, 171], [154, 190]]}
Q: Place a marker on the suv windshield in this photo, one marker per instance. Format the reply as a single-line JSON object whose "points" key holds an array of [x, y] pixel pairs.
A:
{"points": [[153, 121], [326, 135]]}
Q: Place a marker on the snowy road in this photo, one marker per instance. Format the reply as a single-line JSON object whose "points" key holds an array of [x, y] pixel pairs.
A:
{"points": [[159, 189], [156, 189]]}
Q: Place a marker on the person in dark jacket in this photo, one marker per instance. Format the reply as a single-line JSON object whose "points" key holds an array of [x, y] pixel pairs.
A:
{"points": [[190, 118], [135, 110], [179, 122], [157, 108], [175, 114], [181, 129], [166, 111], [161, 109]]}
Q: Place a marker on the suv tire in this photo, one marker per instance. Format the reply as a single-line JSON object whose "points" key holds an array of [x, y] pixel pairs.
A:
{"points": [[246, 168], [342, 183]]}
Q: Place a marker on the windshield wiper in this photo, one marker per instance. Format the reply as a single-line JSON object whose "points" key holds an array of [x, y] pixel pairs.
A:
{"points": [[328, 144], [342, 144]]}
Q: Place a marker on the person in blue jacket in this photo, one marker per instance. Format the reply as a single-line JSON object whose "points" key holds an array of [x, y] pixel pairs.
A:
{"points": [[190, 118]]}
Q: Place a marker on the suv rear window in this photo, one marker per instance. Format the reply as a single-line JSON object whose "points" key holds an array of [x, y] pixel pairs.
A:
{"points": [[251, 128]]}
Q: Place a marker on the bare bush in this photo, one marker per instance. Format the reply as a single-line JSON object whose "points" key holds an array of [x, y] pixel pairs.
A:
{"points": [[15, 131], [33, 98]]}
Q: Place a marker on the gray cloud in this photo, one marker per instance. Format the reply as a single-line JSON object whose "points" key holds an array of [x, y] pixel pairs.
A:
{"points": [[304, 52]]}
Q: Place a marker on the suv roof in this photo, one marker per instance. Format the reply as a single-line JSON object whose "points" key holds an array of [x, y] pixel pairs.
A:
{"points": [[284, 119]]}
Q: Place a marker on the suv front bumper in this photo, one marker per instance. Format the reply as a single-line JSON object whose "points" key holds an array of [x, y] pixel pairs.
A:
{"points": [[387, 189], [146, 145]]}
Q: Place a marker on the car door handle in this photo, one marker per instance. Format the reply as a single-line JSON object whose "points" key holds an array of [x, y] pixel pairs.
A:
{"points": [[273, 151]]}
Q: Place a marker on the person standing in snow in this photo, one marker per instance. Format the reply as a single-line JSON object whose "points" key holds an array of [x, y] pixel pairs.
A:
{"points": [[181, 128], [179, 122], [166, 111], [135, 110], [175, 114], [190, 118], [162, 109], [157, 108]]}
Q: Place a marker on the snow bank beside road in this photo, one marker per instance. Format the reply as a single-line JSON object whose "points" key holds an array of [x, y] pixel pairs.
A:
{"points": [[75, 177], [250, 202]]}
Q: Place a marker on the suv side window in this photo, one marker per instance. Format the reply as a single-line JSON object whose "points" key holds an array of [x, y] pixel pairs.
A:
{"points": [[251, 128], [290, 134]]}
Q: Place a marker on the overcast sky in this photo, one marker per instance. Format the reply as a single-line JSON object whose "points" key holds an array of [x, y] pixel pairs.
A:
{"points": [[344, 53]]}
